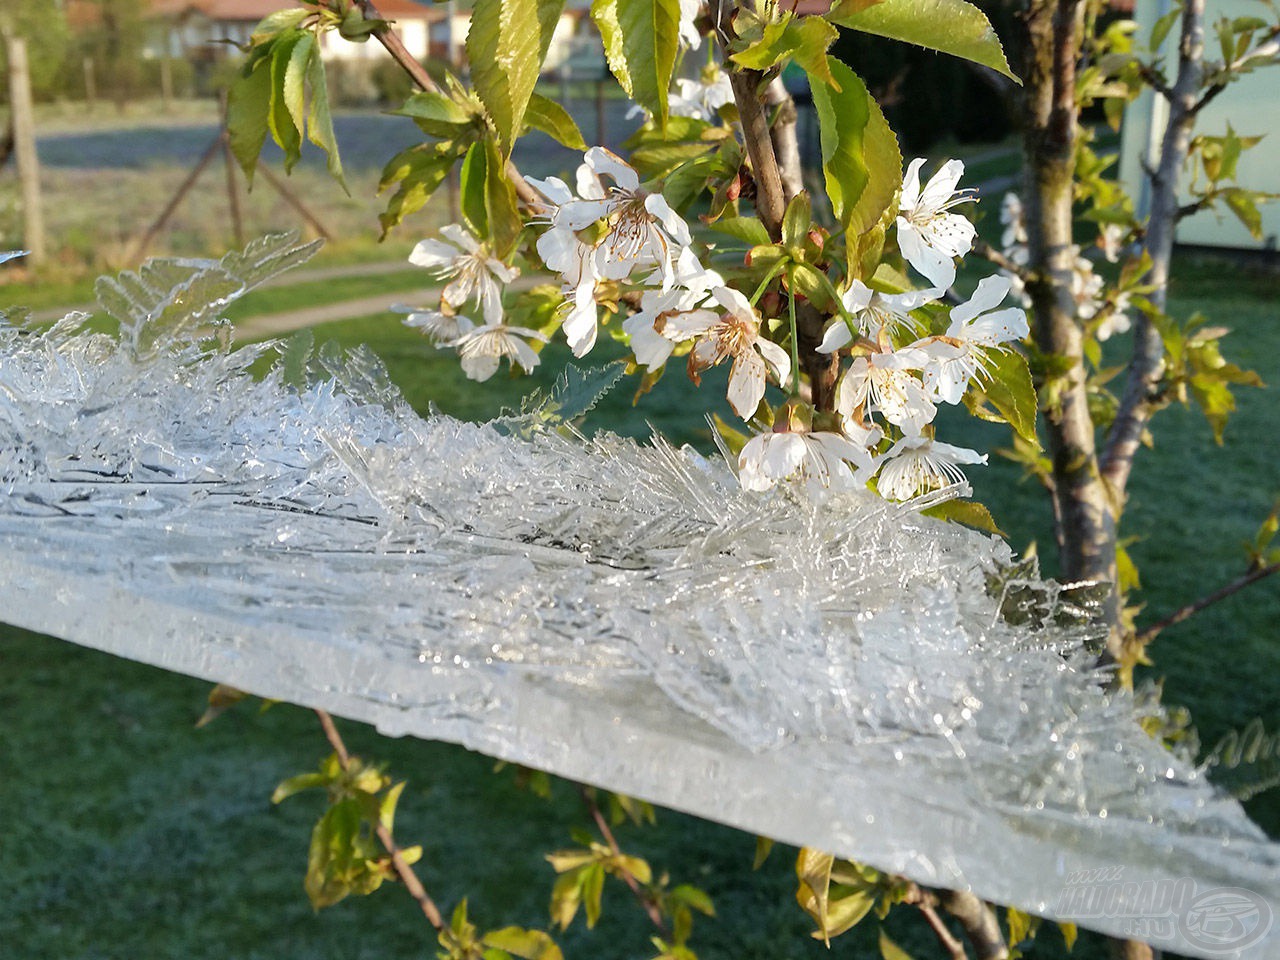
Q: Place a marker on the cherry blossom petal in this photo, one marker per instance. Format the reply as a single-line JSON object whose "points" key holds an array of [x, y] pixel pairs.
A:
{"points": [[746, 383], [777, 358]]}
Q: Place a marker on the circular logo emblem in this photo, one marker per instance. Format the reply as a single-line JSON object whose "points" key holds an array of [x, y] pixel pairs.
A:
{"points": [[1226, 919]]}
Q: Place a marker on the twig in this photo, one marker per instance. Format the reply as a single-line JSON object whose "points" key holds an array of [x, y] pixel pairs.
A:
{"points": [[1191, 609], [926, 901], [770, 200], [992, 255], [418, 74], [979, 923], [602, 825], [403, 870]]}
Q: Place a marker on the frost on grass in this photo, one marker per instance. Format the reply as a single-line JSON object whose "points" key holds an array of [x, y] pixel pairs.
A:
{"points": [[842, 673]]}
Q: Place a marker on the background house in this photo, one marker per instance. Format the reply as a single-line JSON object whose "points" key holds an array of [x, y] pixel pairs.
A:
{"points": [[1251, 105]]}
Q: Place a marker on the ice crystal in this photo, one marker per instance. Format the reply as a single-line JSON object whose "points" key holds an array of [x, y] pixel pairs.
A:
{"points": [[842, 673]]}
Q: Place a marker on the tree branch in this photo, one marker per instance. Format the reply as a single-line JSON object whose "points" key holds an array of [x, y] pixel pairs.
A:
{"points": [[771, 202], [651, 908], [979, 923], [989, 253], [926, 901], [403, 870], [1138, 402], [1191, 609], [782, 131]]}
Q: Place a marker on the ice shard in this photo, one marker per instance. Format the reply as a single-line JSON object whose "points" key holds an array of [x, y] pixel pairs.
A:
{"points": [[847, 675]]}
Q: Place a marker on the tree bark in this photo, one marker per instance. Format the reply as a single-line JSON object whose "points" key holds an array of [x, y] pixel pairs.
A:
{"points": [[1085, 509]]}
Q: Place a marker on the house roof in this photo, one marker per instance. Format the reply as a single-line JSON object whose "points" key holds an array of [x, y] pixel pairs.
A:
{"points": [[241, 10]]}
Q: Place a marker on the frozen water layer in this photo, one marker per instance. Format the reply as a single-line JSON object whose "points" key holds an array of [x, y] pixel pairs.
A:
{"points": [[846, 674]]}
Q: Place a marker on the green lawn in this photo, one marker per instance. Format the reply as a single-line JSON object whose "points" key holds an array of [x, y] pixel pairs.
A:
{"points": [[130, 834]]}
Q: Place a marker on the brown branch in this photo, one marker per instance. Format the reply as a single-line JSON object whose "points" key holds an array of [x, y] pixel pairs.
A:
{"points": [[786, 143], [646, 901], [926, 901], [979, 923], [770, 200], [391, 41], [1191, 609], [403, 870], [1139, 399], [989, 253]]}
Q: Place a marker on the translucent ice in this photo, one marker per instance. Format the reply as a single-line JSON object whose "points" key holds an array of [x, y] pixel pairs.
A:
{"points": [[847, 674]]}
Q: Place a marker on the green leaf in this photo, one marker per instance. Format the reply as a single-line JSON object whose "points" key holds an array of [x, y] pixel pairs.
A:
{"points": [[505, 45], [221, 699], [971, 514], [288, 103], [764, 846], [1010, 391], [1069, 934], [1243, 203], [592, 890], [948, 26], [1163, 26], [802, 39], [796, 222], [641, 38], [860, 156], [303, 781], [555, 121], [416, 172], [248, 110], [747, 229], [433, 105], [890, 950], [320, 121], [526, 944], [500, 202], [475, 212], [276, 23]]}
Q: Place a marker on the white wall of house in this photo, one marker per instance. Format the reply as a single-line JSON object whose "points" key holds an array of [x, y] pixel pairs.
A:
{"points": [[1251, 106]]}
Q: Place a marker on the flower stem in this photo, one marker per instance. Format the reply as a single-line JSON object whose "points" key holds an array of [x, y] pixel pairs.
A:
{"points": [[768, 279], [795, 336]]}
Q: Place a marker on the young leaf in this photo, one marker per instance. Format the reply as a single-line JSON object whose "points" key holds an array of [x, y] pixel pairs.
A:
{"points": [[948, 26], [500, 202], [1010, 391], [248, 110], [860, 156], [555, 121], [890, 950], [747, 229], [475, 212], [802, 39], [287, 117], [526, 944], [505, 44], [319, 120], [970, 513], [640, 42], [417, 172]]}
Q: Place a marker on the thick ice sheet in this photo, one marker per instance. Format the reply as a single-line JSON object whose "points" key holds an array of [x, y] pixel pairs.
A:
{"points": [[836, 674]]}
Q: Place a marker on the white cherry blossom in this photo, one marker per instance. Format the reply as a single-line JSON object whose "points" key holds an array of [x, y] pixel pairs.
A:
{"points": [[442, 328], [1015, 226], [917, 464], [885, 383], [689, 35], [701, 98], [639, 230], [736, 334], [819, 460], [874, 313], [475, 274], [691, 290], [956, 357], [928, 236], [481, 349]]}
